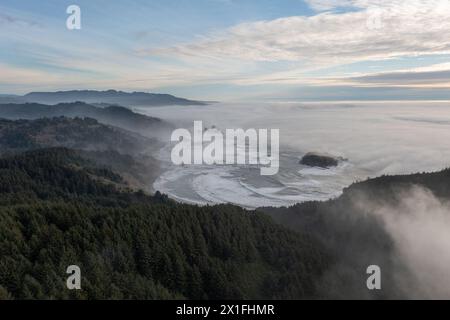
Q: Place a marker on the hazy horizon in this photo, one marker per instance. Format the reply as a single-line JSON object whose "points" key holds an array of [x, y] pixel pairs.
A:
{"points": [[376, 138], [231, 50]]}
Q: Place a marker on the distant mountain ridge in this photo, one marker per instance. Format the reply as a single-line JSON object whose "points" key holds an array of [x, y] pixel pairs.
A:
{"points": [[93, 96]]}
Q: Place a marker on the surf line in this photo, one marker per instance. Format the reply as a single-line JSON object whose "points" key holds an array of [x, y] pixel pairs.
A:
{"points": [[212, 147]]}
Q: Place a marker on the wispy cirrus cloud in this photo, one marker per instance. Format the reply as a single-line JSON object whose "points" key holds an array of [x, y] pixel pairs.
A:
{"points": [[398, 29], [340, 43], [323, 5]]}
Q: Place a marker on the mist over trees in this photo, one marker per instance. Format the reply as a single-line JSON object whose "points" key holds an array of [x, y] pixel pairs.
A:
{"points": [[56, 210], [70, 194]]}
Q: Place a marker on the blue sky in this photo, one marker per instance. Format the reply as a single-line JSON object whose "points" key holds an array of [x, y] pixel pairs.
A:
{"points": [[231, 49]]}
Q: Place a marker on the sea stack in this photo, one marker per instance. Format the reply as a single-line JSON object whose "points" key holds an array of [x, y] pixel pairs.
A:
{"points": [[314, 159]]}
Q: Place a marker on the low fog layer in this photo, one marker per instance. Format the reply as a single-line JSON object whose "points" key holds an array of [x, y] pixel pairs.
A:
{"points": [[408, 236], [377, 138], [419, 226]]}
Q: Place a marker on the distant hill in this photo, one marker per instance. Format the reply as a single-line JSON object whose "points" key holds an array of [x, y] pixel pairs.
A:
{"points": [[85, 134], [10, 98], [112, 115], [125, 152], [109, 97]]}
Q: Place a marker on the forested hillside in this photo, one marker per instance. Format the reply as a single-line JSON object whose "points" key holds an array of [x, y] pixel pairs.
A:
{"points": [[69, 195], [125, 152], [357, 238], [77, 133], [57, 209], [108, 114]]}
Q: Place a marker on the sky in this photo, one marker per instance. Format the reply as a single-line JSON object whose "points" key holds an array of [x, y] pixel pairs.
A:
{"points": [[229, 50]]}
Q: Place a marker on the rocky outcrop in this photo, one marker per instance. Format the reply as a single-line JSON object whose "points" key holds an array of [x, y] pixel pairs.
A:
{"points": [[314, 159]]}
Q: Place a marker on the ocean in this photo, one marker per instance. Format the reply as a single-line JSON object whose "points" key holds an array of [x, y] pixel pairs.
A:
{"points": [[375, 138]]}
